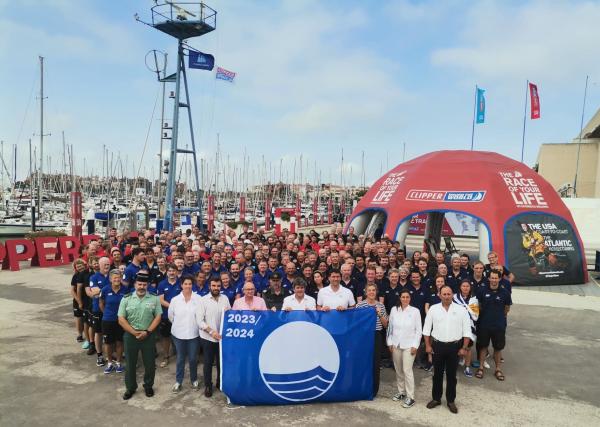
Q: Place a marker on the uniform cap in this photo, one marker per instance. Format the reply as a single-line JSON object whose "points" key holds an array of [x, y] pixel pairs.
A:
{"points": [[142, 277]]}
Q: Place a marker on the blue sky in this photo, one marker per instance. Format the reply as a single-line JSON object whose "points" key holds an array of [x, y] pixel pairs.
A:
{"points": [[313, 77]]}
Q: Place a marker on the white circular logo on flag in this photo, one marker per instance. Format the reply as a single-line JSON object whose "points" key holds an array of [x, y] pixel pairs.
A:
{"points": [[299, 361]]}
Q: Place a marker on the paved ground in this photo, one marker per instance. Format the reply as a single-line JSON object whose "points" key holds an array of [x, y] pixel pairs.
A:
{"points": [[45, 379]]}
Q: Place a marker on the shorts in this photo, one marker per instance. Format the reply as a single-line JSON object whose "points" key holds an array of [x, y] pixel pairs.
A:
{"points": [[165, 328], [76, 311], [87, 317], [496, 336], [112, 332], [97, 322]]}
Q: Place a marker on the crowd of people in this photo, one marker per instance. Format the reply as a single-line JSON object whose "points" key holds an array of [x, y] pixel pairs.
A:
{"points": [[149, 292]]}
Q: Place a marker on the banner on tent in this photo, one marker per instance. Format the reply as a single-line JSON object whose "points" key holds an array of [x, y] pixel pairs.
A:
{"points": [[279, 358], [455, 224], [543, 249]]}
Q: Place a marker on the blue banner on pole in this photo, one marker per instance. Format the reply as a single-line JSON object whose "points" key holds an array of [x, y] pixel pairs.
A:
{"points": [[201, 61], [283, 358], [480, 105]]}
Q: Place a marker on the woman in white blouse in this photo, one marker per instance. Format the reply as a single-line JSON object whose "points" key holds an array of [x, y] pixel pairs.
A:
{"points": [[185, 332], [403, 337]]}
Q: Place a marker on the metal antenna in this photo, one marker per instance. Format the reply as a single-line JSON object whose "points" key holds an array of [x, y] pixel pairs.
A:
{"points": [[193, 20]]}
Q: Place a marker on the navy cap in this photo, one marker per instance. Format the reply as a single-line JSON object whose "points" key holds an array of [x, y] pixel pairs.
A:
{"points": [[142, 277]]}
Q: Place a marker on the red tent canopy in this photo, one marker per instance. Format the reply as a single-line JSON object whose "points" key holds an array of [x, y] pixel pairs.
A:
{"points": [[512, 201]]}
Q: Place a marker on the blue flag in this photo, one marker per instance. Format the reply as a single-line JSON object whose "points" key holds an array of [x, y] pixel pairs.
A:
{"points": [[201, 61], [284, 358], [480, 108]]}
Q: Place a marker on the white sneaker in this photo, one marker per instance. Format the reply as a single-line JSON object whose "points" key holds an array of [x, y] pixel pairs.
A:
{"points": [[486, 365], [461, 362], [176, 388], [408, 403], [196, 385], [398, 397]]}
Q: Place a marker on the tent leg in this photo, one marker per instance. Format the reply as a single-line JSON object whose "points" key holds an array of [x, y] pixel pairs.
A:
{"points": [[433, 231], [484, 242], [400, 236]]}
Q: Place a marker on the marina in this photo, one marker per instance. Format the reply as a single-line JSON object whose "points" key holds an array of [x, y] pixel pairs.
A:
{"points": [[299, 213]]}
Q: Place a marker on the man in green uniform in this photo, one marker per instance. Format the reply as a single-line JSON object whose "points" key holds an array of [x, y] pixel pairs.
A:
{"points": [[139, 316]]}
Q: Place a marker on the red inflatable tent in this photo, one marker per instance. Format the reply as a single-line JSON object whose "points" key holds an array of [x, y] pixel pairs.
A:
{"points": [[520, 215]]}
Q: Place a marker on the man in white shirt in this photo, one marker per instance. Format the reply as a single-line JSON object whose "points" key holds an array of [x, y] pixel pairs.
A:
{"points": [[335, 296], [447, 330], [299, 301], [208, 317]]}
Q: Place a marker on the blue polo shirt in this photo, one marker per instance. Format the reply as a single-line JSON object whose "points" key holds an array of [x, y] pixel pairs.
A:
{"points": [[352, 286], [491, 308], [98, 280], [277, 270], [130, 273], [261, 283], [202, 290], [488, 270], [418, 298], [286, 283], [237, 282], [229, 292], [191, 270], [240, 288], [217, 271], [428, 282], [360, 276], [382, 285], [112, 300], [152, 288], [475, 284], [390, 297], [505, 283], [433, 298], [152, 269], [169, 291], [454, 281]]}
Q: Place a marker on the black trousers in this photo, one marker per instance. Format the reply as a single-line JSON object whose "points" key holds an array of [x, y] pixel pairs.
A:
{"points": [[377, 350], [445, 359], [210, 351]]}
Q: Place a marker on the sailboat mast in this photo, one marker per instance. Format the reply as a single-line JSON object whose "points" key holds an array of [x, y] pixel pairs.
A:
{"points": [[71, 169], [342, 169], [64, 177], [41, 168], [162, 125]]}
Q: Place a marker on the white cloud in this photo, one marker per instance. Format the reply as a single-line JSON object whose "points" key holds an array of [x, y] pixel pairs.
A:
{"points": [[538, 40], [80, 33], [302, 68], [329, 115]]}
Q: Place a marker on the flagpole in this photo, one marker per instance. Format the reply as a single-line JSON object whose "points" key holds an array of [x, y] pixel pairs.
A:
{"points": [[580, 132], [524, 121], [474, 114]]}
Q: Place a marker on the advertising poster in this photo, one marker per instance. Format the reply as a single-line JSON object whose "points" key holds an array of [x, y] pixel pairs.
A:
{"points": [[455, 224], [543, 249]]}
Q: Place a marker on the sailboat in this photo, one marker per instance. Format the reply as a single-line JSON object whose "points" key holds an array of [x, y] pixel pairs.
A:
{"points": [[20, 223]]}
